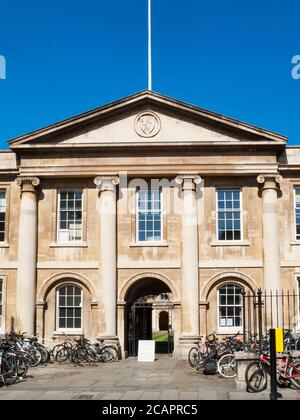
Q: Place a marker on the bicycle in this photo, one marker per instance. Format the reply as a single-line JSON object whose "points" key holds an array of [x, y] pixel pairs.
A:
{"points": [[288, 371]]}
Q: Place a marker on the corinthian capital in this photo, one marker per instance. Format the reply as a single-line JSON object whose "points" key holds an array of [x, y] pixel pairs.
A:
{"points": [[106, 182], [27, 183]]}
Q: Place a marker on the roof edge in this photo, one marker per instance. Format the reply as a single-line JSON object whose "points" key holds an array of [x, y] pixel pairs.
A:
{"points": [[139, 96]]}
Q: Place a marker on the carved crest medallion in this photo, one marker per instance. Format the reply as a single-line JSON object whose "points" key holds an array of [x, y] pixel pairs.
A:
{"points": [[147, 124]]}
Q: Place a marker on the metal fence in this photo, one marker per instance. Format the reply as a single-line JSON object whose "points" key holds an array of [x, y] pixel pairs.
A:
{"points": [[263, 310]]}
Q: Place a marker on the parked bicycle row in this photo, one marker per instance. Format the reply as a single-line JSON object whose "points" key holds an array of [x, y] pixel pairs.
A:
{"points": [[213, 355], [287, 369], [18, 353]]}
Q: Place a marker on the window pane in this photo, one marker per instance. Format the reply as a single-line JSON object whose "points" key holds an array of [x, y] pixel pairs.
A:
{"points": [[78, 313], [222, 300], [77, 301], [230, 300], [142, 236], [61, 323], [77, 322]]}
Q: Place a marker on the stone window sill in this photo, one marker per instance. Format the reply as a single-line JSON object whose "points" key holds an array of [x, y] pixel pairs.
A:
{"points": [[68, 245], [67, 332], [230, 243], [295, 243], [4, 245], [230, 331], [149, 244]]}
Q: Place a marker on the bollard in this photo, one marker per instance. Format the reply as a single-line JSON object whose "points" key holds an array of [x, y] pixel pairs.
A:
{"points": [[274, 395]]}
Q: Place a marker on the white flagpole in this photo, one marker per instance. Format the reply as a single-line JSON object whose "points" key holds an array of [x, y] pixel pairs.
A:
{"points": [[149, 48]]}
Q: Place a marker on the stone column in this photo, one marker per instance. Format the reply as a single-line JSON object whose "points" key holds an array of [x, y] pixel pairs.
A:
{"points": [[108, 251], [271, 249], [189, 259], [27, 255]]}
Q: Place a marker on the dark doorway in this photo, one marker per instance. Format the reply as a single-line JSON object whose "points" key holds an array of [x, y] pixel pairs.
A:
{"points": [[140, 325], [139, 299], [163, 321]]}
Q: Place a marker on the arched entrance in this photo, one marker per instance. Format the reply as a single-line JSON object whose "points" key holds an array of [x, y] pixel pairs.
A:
{"points": [[138, 316]]}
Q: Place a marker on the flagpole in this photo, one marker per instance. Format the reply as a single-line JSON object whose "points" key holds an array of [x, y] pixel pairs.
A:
{"points": [[149, 48]]}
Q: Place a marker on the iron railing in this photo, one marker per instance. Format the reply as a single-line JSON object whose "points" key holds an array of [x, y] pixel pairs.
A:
{"points": [[263, 310]]}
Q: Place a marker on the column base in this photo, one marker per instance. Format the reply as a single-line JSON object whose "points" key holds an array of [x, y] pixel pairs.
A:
{"points": [[185, 343]]}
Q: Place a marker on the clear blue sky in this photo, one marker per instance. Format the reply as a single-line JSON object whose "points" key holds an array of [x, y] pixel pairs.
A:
{"points": [[66, 57]]}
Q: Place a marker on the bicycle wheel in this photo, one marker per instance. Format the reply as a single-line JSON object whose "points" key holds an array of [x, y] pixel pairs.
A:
{"points": [[81, 357], [62, 355], [22, 368], [35, 356], [195, 356], [107, 356], [9, 370], [227, 366], [295, 372], [256, 377], [45, 356], [113, 350]]}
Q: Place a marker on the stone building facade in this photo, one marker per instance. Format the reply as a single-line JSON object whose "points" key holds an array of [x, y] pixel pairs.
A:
{"points": [[144, 196]]}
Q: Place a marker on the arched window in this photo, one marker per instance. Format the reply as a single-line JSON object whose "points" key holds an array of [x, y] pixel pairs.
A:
{"points": [[69, 307], [230, 307]]}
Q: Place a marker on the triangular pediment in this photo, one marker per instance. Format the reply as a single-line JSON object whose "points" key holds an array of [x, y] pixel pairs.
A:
{"points": [[146, 119]]}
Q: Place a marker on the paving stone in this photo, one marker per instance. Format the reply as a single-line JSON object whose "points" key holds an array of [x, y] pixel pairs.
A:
{"points": [[112, 396], [150, 395], [188, 395], [132, 395], [169, 395]]}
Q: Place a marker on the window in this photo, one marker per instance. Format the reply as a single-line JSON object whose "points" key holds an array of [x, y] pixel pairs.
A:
{"points": [[2, 215], [297, 212], [69, 307], [298, 303], [229, 214], [149, 216], [230, 306], [69, 216], [1, 304]]}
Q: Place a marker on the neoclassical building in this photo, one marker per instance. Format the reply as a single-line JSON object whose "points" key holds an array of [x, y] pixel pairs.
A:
{"points": [[144, 196]]}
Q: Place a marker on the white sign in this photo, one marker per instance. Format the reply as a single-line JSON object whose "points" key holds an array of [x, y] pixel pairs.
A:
{"points": [[146, 351]]}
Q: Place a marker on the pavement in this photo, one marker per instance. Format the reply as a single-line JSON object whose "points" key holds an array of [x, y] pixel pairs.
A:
{"points": [[165, 379]]}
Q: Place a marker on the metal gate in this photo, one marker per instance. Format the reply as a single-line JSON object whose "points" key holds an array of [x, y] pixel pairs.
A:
{"points": [[139, 325]]}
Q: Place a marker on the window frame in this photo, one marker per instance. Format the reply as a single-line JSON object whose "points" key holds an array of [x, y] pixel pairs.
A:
{"points": [[137, 213], [74, 241], [68, 329], [298, 302], [225, 329], [6, 188], [241, 215], [2, 325], [294, 211], [5, 215]]}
